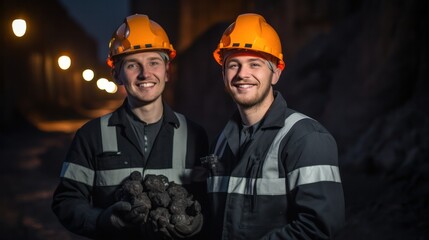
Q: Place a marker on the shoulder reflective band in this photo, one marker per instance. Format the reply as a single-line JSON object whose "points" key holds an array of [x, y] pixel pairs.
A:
{"points": [[289, 122], [180, 141], [108, 135], [270, 168], [270, 183], [177, 173]]}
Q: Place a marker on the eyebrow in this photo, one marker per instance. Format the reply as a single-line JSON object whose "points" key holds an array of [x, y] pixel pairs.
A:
{"points": [[136, 60], [156, 58], [256, 59]]}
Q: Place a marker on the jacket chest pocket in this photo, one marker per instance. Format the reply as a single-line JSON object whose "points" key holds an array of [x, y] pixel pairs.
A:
{"points": [[263, 212], [107, 161], [111, 170]]}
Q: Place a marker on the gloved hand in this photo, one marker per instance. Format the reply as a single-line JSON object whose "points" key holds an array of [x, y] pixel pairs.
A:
{"points": [[179, 231], [112, 218], [137, 215]]}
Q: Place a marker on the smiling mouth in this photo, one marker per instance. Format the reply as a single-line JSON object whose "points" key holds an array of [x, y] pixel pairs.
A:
{"points": [[146, 85], [243, 86]]}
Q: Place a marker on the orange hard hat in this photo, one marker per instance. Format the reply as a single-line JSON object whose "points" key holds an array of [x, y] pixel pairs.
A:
{"points": [[250, 32], [138, 33]]}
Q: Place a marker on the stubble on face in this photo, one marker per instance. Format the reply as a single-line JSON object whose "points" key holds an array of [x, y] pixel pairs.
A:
{"points": [[251, 100]]}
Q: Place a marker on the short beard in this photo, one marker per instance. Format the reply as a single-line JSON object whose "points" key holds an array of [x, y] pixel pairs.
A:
{"points": [[253, 102]]}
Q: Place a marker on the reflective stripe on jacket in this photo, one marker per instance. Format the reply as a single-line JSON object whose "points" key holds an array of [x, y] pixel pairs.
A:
{"points": [[177, 173], [94, 168], [270, 183], [286, 185]]}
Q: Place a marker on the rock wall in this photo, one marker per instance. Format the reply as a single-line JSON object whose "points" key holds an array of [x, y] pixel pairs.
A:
{"points": [[365, 62]]}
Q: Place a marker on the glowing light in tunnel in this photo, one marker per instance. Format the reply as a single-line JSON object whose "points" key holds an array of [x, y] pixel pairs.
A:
{"points": [[111, 87], [102, 83], [88, 75], [64, 62], [19, 27]]}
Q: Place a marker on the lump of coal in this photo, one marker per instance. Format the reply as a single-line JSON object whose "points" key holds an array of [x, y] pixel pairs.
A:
{"points": [[179, 205], [131, 191], [166, 205], [194, 209], [156, 183], [177, 191], [130, 188], [156, 186], [159, 199]]}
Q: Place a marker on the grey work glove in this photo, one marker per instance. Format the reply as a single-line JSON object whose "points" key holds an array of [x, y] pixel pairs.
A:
{"points": [[179, 231], [112, 218]]}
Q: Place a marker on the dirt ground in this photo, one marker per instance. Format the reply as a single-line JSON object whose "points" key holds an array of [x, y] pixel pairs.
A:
{"points": [[30, 166]]}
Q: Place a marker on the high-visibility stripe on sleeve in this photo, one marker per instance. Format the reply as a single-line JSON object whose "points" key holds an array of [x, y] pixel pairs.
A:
{"points": [[115, 177], [217, 184], [313, 174], [77, 173], [274, 186]]}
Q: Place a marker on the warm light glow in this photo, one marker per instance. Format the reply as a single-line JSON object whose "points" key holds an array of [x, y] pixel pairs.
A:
{"points": [[111, 87], [64, 62], [88, 75], [19, 27], [102, 83]]}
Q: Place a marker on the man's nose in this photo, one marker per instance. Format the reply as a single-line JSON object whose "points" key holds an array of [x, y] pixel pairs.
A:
{"points": [[143, 74], [242, 72]]}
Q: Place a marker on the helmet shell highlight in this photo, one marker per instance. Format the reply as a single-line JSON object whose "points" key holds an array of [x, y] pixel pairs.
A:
{"points": [[136, 34], [250, 32]]}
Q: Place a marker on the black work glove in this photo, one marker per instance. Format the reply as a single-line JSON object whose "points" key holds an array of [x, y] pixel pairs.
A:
{"points": [[112, 218], [179, 231], [137, 215]]}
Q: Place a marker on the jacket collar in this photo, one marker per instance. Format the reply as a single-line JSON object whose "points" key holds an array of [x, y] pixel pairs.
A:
{"points": [[119, 116], [274, 117], [276, 114]]}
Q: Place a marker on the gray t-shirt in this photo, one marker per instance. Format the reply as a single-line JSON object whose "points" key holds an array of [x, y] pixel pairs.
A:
{"points": [[146, 133]]}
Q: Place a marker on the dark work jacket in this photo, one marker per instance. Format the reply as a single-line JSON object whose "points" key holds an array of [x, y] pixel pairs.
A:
{"points": [[81, 196], [285, 186]]}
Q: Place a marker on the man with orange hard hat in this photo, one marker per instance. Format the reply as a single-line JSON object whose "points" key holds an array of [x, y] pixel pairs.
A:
{"points": [[144, 135], [273, 171]]}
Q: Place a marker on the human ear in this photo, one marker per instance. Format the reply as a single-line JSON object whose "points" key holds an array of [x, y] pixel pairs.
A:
{"points": [[115, 75], [276, 76], [167, 67]]}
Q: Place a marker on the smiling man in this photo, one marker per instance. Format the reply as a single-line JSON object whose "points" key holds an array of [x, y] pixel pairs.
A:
{"points": [[144, 76], [143, 135], [273, 171]]}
